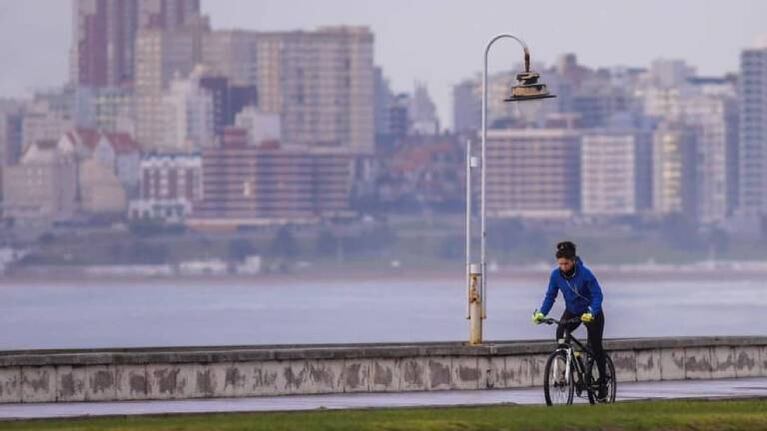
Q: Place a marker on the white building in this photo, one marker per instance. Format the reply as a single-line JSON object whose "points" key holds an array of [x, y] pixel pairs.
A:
{"points": [[608, 174], [170, 184], [260, 126], [188, 111]]}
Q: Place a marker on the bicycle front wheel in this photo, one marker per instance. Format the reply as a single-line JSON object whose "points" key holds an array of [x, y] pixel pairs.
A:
{"points": [[558, 382]]}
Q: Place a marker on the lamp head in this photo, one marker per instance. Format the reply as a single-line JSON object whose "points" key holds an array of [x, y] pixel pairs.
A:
{"points": [[529, 93]]}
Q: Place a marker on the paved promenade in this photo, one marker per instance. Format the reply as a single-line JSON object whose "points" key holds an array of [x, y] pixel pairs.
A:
{"points": [[697, 389]]}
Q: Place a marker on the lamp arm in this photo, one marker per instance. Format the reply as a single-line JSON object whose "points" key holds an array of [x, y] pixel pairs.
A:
{"points": [[483, 217]]}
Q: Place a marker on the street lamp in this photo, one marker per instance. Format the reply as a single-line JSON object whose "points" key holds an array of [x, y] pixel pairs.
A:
{"points": [[529, 93]]}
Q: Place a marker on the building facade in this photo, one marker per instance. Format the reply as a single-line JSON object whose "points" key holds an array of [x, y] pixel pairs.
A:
{"points": [[675, 170], [189, 113], [42, 188], [533, 173], [104, 33], [608, 174], [320, 82], [169, 187], [244, 185], [753, 132], [161, 56]]}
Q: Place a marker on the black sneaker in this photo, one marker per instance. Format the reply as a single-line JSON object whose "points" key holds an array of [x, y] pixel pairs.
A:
{"points": [[602, 392]]}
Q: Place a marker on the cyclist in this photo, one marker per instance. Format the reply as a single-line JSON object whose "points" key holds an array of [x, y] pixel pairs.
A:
{"points": [[583, 297]]}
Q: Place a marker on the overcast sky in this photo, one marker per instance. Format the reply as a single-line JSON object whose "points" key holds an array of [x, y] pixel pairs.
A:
{"points": [[435, 41]]}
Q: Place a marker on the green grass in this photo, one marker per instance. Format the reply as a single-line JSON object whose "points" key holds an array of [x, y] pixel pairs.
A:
{"points": [[666, 415]]}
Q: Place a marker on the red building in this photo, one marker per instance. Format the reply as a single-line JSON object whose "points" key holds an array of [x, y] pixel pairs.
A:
{"points": [[104, 35]]}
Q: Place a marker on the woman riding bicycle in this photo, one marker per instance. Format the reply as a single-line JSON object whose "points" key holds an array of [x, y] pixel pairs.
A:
{"points": [[583, 297]]}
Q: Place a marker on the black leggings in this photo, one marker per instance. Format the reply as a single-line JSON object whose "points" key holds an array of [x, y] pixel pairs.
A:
{"points": [[595, 329]]}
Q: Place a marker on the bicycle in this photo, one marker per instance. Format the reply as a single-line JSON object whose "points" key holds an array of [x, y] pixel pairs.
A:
{"points": [[566, 374]]}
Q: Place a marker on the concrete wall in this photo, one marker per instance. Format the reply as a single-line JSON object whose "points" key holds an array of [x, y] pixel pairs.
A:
{"points": [[188, 372]]}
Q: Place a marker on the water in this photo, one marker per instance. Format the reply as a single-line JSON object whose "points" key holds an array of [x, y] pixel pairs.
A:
{"points": [[173, 313]]}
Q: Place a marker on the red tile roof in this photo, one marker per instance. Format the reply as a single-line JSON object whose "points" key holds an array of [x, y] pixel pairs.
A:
{"points": [[88, 137], [121, 142]]}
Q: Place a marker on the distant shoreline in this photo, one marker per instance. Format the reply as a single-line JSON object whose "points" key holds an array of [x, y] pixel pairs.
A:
{"points": [[350, 275]]}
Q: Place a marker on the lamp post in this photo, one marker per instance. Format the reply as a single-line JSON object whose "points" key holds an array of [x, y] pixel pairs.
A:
{"points": [[528, 90]]}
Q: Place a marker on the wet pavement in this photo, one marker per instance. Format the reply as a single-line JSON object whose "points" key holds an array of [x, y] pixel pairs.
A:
{"points": [[684, 389]]}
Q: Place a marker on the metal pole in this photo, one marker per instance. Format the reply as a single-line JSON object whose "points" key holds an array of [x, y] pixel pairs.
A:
{"points": [[475, 306], [483, 240], [482, 181], [468, 228]]}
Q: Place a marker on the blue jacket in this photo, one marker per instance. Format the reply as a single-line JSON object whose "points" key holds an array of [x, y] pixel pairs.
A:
{"points": [[582, 292]]}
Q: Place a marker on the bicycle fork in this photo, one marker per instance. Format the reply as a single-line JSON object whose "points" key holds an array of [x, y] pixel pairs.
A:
{"points": [[568, 364]]}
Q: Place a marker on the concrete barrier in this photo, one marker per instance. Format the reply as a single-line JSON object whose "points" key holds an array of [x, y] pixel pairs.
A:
{"points": [[240, 371]]}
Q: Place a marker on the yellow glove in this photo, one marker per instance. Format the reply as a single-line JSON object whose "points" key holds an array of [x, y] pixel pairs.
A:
{"points": [[538, 317], [587, 317]]}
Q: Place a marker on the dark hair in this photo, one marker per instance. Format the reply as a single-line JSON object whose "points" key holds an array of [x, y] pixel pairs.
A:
{"points": [[566, 249]]}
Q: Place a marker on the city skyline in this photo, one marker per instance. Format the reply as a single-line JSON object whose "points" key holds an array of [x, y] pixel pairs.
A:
{"points": [[704, 44]]}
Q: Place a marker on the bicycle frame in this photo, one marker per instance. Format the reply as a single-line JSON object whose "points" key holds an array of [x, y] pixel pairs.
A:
{"points": [[566, 345], [570, 348]]}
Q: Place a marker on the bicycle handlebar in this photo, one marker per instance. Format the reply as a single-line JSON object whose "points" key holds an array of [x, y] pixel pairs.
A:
{"points": [[551, 321]]}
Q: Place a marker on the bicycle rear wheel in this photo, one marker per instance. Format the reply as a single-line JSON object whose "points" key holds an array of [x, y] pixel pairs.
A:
{"points": [[610, 381], [558, 383]]}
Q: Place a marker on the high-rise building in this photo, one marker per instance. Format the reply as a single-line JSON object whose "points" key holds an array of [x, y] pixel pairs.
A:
{"points": [[188, 112], [10, 133], [596, 103], [423, 112], [162, 55], [228, 100], [675, 170], [608, 173], [167, 14], [665, 73], [218, 89], [104, 36], [383, 99], [715, 118], [320, 82], [753, 132], [110, 109], [467, 107], [103, 42], [399, 115], [533, 173], [236, 55], [709, 106]]}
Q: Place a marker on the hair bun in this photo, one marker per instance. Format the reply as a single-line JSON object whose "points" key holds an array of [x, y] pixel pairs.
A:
{"points": [[566, 246]]}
